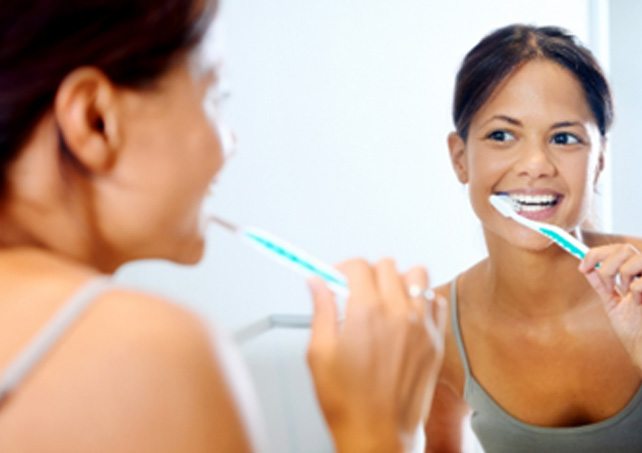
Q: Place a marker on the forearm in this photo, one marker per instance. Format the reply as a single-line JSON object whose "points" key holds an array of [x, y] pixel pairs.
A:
{"points": [[370, 441]]}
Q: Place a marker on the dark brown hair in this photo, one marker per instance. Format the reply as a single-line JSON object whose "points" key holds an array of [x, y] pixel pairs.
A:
{"points": [[504, 50], [132, 41]]}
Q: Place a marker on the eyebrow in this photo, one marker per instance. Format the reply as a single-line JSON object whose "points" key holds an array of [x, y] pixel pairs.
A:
{"points": [[506, 118], [516, 122], [567, 124]]}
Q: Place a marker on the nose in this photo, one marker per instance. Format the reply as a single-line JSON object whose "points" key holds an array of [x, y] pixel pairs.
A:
{"points": [[535, 162]]}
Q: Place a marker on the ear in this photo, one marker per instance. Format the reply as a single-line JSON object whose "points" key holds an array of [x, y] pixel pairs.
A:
{"points": [[600, 165], [457, 148], [85, 111]]}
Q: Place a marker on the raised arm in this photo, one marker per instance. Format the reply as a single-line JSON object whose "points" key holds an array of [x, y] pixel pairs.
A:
{"points": [[444, 429]]}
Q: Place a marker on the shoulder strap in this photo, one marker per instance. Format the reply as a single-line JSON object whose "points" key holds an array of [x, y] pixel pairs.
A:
{"points": [[49, 335], [454, 316]]}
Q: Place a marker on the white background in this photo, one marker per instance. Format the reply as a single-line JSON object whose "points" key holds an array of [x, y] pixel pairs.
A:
{"points": [[342, 108]]}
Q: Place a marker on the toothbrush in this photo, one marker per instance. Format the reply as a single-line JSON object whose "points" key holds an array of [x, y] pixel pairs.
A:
{"points": [[288, 255], [562, 238]]}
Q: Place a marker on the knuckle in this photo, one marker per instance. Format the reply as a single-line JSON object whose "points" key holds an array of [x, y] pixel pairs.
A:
{"points": [[386, 265], [355, 267]]}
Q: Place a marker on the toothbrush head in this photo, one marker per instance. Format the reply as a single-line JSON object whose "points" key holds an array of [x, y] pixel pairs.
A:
{"points": [[503, 204], [223, 223]]}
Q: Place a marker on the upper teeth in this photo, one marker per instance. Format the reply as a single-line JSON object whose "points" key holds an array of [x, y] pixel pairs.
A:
{"points": [[533, 199]]}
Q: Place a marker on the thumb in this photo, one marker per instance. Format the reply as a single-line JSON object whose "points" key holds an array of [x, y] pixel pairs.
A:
{"points": [[325, 324], [608, 297]]}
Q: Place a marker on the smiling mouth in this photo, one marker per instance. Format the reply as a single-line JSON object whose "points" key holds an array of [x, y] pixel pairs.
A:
{"points": [[532, 203]]}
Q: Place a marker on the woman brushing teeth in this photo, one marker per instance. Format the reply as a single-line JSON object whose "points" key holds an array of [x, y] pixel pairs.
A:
{"points": [[545, 357]]}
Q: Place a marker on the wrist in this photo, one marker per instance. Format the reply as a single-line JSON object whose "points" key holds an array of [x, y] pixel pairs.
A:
{"points": [[371, 438], [360, 444]]}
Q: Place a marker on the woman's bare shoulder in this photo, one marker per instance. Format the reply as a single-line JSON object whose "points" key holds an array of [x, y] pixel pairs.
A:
{"points": [[597, 238], [136, 373]]}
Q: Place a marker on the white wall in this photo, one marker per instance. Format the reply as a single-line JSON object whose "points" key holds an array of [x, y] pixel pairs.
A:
{"points": [[342, 108], [626, 141]]}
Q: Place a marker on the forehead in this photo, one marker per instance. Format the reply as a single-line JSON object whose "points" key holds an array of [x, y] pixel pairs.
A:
{"points": [[539, 90], [207, 56]]}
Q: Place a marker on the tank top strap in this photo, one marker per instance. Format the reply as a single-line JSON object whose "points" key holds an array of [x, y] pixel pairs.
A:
{"points": [[454, 316], [47, 338]]}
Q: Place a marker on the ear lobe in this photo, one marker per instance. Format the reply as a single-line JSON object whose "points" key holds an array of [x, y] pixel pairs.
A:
{"points": [[85, 112], [457, 148]]}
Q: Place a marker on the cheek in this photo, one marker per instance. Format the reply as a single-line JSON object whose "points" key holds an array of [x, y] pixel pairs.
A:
{"points": [[578, 173], [485, 173], [486, 167], [205, 147], [578, 176]]}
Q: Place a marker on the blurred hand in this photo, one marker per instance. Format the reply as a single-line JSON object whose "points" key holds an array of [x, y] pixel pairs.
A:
{"points": [[618, 283], [375, 372]]}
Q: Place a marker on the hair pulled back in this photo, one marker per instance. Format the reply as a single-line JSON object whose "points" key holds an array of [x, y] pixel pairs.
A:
{"points": [[132, 41], [498, 54]]}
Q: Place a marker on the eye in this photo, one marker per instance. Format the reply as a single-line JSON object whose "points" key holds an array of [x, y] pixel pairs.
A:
{"points": [[565, 138], [501, 136]]}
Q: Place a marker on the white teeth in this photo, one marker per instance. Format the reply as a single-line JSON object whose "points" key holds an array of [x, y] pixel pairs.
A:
{"points": [[532, 203]]}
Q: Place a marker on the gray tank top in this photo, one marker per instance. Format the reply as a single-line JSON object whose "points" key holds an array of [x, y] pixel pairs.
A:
{"points": [[47, 338], [498, 431]]}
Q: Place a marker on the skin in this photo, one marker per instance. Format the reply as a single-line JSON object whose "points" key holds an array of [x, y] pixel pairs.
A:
{"points": [[539, 341], [136, 372]]}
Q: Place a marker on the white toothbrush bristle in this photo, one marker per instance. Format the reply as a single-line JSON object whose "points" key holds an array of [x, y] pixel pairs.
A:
{"points": [[504, 204]]}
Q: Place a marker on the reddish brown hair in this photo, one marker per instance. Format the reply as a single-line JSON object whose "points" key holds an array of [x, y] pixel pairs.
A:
{"points": [[132, 41]]}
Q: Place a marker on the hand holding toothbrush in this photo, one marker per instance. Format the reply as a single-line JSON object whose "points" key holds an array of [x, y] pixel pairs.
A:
{"points": [[617, 281], [375, 372]]}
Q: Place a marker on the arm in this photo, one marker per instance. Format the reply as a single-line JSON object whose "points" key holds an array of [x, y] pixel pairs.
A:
{"points": [[375, 373], [444, 429], [618, 283]]}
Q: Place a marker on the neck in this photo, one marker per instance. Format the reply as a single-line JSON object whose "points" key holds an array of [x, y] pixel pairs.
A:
{"points": [[67, 243], [533, 283]]}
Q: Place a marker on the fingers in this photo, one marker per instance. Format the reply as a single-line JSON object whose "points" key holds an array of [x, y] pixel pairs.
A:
{"points": [[636, 290], [361, 282], [391, 286], [439, 308], [631, 270], [325, 324], [417, 276], [603, 290], [615, 266], [416, 280], [382, 284], [383, 361]]}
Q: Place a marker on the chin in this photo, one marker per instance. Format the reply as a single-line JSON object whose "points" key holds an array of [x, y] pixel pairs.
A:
{"points": [[516, 236], [191, 254], [531, 242]]}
